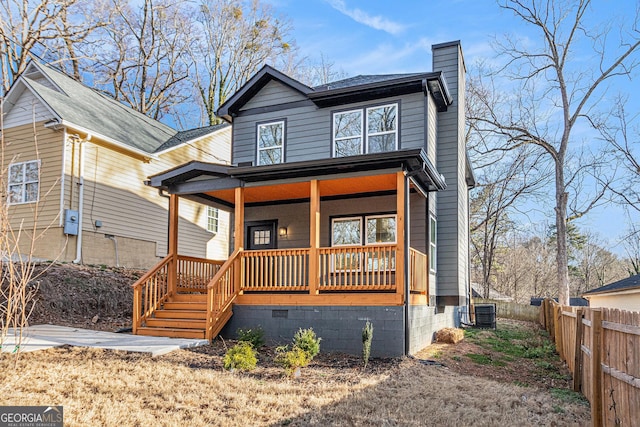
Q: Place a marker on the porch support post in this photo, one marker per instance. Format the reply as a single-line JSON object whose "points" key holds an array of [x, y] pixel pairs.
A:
{"points": [[314, 237], [238, 232], [173, 243], [400, 231]]}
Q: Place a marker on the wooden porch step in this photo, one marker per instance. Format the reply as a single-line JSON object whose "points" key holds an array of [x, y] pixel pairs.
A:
{"points": [[171, 332], [188, 298], [200, 306], [181, 314], [178, 323]]}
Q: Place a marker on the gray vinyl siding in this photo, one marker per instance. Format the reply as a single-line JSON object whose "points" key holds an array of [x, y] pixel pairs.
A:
{"points": [[432, 129], [451, 214], [308, 129], [273, 93], [418, 223]]}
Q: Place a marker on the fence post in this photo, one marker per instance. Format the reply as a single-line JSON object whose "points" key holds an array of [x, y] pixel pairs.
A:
{"points": [[596, 368], [557, 329], [577, 361]]}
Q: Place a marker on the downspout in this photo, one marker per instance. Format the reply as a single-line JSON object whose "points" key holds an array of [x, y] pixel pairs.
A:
{"points": [[115, 244], [407, 288], [78, 259]]}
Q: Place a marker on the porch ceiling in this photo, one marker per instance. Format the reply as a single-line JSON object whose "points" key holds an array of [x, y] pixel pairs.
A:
{"points": [[302, 190]]}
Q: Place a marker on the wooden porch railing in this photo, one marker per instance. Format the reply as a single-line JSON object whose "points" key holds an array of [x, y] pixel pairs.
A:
{"points": [[357, 268], [418, 272], [150, 291], [194, 274], [276, 270], [221, 291]]}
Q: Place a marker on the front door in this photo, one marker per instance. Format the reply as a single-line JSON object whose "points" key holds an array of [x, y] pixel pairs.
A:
{"points": [[261, 235]]}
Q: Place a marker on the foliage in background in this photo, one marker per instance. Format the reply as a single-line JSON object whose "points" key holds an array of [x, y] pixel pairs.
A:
{"points": [[254, 336]]}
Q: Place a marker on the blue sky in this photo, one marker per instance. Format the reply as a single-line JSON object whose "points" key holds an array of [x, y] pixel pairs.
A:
{"points": [[370, 37]]}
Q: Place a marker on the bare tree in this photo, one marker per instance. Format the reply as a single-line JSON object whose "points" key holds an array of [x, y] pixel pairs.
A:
{"points": [[28, 27], [234, 39], [140, 54], [556, 91]]}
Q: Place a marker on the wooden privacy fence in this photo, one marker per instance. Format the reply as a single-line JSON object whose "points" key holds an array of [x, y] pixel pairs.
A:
{"points": [[602, 350]]}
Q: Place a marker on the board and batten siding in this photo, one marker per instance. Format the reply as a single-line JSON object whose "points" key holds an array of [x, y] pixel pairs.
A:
{"points": [[308, 128], [27, 110], [274, 93], [452, 212], [35, 142]]}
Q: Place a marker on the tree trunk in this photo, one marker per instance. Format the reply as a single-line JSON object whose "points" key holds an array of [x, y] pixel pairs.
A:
{"points": [[562, 260]]}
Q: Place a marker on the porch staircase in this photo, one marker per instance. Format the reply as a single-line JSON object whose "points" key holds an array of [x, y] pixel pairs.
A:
{"points": [[182, 316]]}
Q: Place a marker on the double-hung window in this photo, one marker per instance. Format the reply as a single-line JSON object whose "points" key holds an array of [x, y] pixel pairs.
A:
{"points": [[382, 128], [24, 182], [352, 136], [213, 216], [363, 230], [271, 143]]}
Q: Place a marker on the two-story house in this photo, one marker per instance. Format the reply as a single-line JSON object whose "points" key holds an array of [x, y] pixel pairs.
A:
{"points": [[74, 161], [349, 202]]}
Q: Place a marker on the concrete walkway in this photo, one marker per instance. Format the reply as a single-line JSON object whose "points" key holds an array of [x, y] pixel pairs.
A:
{"points": [[41, 337]]}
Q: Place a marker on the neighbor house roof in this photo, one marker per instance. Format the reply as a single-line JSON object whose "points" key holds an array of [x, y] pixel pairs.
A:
{"points": [[627, 284], [85, 109], [353, 89]]}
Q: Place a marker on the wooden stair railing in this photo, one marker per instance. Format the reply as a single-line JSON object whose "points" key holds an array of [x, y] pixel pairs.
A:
{"points": [[150, 291], [221, 292]]}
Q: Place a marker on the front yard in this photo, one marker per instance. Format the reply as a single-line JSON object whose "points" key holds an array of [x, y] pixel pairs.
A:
{"points": [[498, 386]]}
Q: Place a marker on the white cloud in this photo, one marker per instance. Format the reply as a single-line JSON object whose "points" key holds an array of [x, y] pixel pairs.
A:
{"points": [[358, 15]]}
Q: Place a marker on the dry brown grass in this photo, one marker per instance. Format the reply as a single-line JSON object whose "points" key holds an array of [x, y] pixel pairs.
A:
{"points": [[101, 387]]}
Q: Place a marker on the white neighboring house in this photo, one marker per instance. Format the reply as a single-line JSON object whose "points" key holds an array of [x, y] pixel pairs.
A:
{"points": [[623, 295]]}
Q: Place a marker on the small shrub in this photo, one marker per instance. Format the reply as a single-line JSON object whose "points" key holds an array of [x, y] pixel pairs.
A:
{"points": [[306, 340], [254, 336], [291, 359], [367, 337], [241, 356]]}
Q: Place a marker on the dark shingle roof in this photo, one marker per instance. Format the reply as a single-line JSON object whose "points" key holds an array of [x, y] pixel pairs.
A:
{"points": [[621, 285], [189, 135], [363, 80]]}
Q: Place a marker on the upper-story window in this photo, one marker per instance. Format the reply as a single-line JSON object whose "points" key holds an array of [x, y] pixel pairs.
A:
{"points": [[271, 143], [350, 138], [24, 182]]}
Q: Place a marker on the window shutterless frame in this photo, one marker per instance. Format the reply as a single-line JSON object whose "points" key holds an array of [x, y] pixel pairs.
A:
{"points": [[347, 133], [23, 184], [213, 218], [270, 141], [382, 127], [433, 242]]}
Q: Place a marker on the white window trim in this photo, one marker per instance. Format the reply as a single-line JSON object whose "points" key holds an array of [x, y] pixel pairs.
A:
{"points": [[368, 217], [433, 246], [361, 135], [394, 132], [23, 183], [210, 210], [281, 146], [346, 218]]}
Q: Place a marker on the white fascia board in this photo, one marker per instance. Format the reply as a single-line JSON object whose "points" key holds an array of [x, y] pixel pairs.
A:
{"points": [[110, 140]]}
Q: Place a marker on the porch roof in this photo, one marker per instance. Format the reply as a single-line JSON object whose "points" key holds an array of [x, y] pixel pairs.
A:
{"points": [[364, 174]]}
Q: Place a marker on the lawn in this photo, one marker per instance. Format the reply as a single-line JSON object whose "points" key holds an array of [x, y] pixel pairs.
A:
{"points": [[189, 387]]}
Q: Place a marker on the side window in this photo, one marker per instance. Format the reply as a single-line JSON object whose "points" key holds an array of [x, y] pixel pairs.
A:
{"points": [[212, 219], [382, 128], [24, 182], [432, 244], [347, 133], [271, 143]]}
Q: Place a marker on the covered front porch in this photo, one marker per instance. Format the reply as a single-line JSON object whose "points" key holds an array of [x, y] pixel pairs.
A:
{"points": [[303, 266]]}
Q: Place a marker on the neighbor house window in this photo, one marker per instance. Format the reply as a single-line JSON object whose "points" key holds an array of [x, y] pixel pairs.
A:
{"points": [[352, 137], [213, 216], [347, 133], [382, 128], [24, 182], [271, 143], [432, 243]]}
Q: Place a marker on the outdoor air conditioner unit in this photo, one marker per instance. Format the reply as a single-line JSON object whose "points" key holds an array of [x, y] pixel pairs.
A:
{"points": [[485, 316]]}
